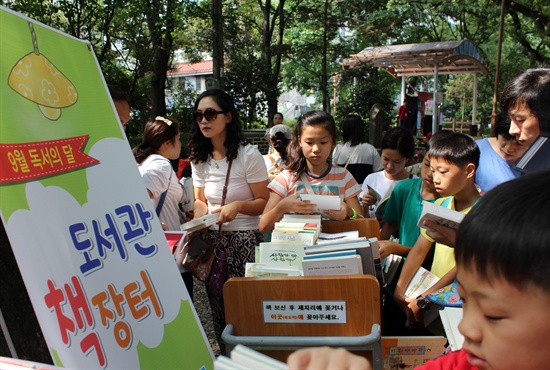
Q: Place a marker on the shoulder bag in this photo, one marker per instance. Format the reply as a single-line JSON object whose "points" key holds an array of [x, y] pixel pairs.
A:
{"points": [[200, 250]]}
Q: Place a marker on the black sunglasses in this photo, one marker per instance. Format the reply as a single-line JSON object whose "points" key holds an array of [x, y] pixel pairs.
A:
{"points": [[210, 114]]}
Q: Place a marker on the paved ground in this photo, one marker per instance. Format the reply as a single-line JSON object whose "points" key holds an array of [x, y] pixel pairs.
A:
{"points": [[203, 310]]}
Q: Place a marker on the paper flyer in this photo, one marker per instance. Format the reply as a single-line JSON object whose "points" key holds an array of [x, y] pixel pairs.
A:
{"points": [[102, 281]]}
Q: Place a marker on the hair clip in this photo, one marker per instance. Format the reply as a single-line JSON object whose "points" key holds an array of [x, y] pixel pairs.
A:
{"points": [[165, 120]]}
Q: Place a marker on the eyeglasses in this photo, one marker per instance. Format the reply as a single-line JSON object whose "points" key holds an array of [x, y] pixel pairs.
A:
{"points": [[210, 114]]}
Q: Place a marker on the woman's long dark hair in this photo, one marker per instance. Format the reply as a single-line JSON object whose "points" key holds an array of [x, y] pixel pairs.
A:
{"points": [[155, 133], [200, 147], [297, 163], [353, 130]]}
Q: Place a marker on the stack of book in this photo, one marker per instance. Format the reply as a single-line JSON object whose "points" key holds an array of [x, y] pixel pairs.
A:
{"points": [[298, 247], [340, 258], [283, 255], [303, 229]]}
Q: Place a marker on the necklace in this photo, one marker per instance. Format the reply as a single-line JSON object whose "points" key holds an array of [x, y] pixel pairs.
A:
{"points": [[216, 163]]}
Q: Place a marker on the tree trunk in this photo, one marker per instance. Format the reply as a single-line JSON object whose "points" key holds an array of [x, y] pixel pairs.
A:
{"points": [[158, 82], [217, 41], [272, 67], [324, 73]]}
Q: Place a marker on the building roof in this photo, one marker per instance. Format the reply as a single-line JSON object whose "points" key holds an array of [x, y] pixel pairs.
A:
{"points": [[451, 57], [192, 69]]}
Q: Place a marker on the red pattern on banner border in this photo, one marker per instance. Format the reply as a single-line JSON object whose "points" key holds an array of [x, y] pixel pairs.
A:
{"points": [[35, 160]]}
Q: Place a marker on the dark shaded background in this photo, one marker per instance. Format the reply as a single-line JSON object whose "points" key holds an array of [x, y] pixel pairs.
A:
{"points": [[17, 310]]}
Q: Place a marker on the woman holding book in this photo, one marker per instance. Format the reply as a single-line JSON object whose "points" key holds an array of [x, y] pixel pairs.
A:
{"points": [[219, 151], [309, 171]]}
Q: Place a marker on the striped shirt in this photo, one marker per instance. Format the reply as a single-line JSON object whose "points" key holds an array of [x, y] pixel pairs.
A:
{"points": [[338, 181]]}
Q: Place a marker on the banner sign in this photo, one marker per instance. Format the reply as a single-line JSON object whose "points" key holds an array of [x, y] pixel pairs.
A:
{"points": [[101, 278]]}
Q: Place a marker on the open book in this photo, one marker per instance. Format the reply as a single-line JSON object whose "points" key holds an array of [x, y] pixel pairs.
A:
{"points": [[422, 281], [245, 358], [441, 215], [373, 192]]}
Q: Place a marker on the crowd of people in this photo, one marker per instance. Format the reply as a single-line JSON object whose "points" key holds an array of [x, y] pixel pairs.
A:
{"points": [[494, 255]]}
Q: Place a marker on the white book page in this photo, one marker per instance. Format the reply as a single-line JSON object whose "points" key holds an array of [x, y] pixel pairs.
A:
{"points": [[451, 317], [440, 215], [323, 202]]}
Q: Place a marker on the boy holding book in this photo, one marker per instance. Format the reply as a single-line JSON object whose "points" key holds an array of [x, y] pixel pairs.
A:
{"points": [[454, 158], [404, 207], [502, 279]]}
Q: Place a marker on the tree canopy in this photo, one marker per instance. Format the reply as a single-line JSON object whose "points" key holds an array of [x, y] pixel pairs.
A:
{"points": [[271, 46]]}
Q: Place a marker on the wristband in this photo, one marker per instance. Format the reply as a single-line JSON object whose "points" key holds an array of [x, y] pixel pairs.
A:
{"points": [[354, 217]]}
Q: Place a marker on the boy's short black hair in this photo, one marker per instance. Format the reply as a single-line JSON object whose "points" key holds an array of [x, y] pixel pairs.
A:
{"points": [[507, 235], [400, 139], [454, 147]]}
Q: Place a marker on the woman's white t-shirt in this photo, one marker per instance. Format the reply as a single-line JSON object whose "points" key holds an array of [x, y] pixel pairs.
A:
{"points": [[248, 168], [155, 171], [269, 163]]}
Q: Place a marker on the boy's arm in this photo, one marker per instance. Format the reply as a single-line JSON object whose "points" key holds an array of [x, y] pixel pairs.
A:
{"points": [[388, 229], [388, 247], [414, 260], [447, 279]]}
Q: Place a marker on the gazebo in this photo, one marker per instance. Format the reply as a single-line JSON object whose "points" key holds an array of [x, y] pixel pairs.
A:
{"points": [[432, 58]]}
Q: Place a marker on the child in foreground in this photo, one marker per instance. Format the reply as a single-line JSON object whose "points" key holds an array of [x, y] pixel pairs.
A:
{"points": [[503, 280], [308, 166]]}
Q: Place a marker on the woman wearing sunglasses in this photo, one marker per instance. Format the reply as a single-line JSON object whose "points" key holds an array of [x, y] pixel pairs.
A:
{"points": [[217, 139]]}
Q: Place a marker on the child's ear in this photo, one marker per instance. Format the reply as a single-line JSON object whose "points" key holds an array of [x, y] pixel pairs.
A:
{"points": [[470, 170]]}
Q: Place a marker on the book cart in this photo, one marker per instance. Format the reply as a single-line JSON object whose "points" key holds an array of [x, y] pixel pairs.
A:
{"points": [[277, 315]]}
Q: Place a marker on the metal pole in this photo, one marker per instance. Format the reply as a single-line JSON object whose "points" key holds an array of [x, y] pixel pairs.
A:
{"points": [[474, 103], [435, 117], [403, 81], [497, 72], [7, 336]]}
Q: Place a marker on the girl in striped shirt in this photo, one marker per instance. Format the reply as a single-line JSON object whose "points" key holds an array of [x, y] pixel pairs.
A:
{"points": [[308, 166]]}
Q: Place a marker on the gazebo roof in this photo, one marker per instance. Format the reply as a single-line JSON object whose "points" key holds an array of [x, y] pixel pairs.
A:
{"points": [[451, 57]]}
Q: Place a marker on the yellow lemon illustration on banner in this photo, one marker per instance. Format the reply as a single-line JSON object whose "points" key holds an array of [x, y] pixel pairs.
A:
{"points": [[36, 79]]}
